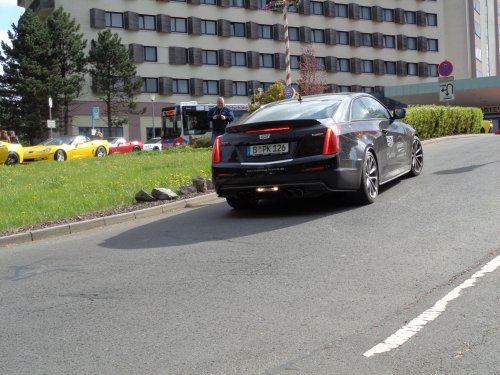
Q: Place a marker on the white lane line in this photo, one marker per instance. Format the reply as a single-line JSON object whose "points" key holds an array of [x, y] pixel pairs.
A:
{"points": [[406, 332]]}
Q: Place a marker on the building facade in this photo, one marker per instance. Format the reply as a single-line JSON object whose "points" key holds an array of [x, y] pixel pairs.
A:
{"points": [[200, 49]]}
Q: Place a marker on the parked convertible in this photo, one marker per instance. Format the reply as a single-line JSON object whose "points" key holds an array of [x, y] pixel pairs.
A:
{"points": [[10, 153], [66, 147], [119, 145], [314, 145]]}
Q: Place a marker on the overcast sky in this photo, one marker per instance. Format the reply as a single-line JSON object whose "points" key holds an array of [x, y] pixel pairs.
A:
{"points": [[9, 14]]}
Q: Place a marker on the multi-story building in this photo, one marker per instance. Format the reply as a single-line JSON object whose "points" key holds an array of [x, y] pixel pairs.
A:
{"points": [[200, 49]]}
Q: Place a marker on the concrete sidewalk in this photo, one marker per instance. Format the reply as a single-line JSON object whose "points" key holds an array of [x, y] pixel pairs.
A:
{"points": [[80, 226]]}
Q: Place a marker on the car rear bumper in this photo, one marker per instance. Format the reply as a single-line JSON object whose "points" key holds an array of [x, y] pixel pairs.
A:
{"points": [[293, 178]]}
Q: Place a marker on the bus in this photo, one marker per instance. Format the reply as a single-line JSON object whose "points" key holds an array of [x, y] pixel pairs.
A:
{"points": [[182, 122]]}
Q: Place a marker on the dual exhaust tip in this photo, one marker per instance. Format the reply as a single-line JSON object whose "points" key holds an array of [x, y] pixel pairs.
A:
{"points": [[289, 193]]}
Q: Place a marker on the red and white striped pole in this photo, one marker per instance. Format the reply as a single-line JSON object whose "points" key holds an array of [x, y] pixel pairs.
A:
{"points": [[287, 45]]}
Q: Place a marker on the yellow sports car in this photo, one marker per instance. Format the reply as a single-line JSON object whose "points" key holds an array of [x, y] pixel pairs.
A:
{"points": [[11, 153], [66, 147]]}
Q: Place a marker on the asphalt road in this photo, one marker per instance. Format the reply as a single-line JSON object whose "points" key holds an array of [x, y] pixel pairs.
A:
{"points": [[407, 285]]}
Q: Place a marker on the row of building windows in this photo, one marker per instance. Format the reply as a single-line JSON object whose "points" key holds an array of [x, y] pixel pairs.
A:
{"points": [[170, 86], [255, 60], [136, 21]]}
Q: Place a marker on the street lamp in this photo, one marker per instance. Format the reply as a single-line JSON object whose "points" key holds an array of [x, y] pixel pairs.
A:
{"points": [[153, 97]]}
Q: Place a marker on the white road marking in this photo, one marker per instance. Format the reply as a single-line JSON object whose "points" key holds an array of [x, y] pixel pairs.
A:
{"points": [[406, 332]]}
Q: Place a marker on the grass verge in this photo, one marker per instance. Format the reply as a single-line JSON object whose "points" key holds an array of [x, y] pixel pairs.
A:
{"points": [[46, 191]]}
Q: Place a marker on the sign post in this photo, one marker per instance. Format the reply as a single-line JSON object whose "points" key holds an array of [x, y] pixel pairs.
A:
{"points": [[446, 82], [95, 116], [50, 124]]}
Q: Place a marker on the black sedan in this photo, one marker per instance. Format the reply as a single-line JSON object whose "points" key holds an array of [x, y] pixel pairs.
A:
{"points": [[314, 145]]}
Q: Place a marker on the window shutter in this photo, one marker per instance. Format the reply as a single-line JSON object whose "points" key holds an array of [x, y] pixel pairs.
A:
{"points": [[165, 86], [177, 55], [331, 87], [194, 26], [353, 11], [378, 67], [377, 14], [329, 8], [223, 28], [253, 59], [278, 32], [131, 21], [253, 86], [378, 40], [423, 69], [223, 3], [331, 37], [252, 30], [356, 88], [354, 38], [305, 34], [195, 56], [279, 61], [399, 15], [136, 51], [97, 18], [422, 43], [226, 87], [163, 23], [251, 4], [421, 18], [305, 7], [355, 65], [193, 2], [225, 58], [196, 86], [402, 42], [331, 64], [401, 68]]}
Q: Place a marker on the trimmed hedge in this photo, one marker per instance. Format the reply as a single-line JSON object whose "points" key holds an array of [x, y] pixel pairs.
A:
{"points": [[433, 121]]}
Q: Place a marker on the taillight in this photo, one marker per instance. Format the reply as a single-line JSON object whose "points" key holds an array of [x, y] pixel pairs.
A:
{"points": [[331, 144], [216, 151], [267, 130]]}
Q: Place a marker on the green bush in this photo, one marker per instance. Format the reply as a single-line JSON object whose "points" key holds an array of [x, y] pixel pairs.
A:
{"points": [[437, 121], [201, 142]]}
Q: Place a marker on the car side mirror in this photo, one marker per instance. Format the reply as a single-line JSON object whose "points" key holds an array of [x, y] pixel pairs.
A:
{"points": [[399, 113]]}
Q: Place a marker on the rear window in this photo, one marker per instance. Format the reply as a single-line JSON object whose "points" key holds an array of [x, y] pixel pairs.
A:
{"points": [[295, 110]]}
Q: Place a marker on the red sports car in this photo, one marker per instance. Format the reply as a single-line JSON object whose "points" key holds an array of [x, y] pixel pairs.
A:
{"points": [[119, 145]]}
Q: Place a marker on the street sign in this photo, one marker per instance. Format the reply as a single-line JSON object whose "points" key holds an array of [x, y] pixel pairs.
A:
{"points": [[95, 112], [288, 92], [446, 89], [445, 68], [51, 124]]}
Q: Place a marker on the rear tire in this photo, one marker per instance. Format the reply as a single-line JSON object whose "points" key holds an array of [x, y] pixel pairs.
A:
{"points": [[241, 204], [137, 148], [417, 157], [100, 152], [12, 159], [59, 155], [368, 189]]}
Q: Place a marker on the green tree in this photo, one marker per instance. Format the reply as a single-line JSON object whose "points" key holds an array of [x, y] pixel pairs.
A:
{"points": [[272, 94], [114, 78], [312, 74], [28, 66], [68, 48]]}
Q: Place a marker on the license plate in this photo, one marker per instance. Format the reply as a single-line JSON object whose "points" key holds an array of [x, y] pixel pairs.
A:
{"points": [[271, 149]]}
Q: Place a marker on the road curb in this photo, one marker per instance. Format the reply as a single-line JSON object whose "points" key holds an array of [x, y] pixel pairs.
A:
{"points": [[81, 226]]}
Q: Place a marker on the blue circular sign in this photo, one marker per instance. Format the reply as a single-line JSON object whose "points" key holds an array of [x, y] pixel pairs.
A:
{"points": [[289, 92], [445, 68]]}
